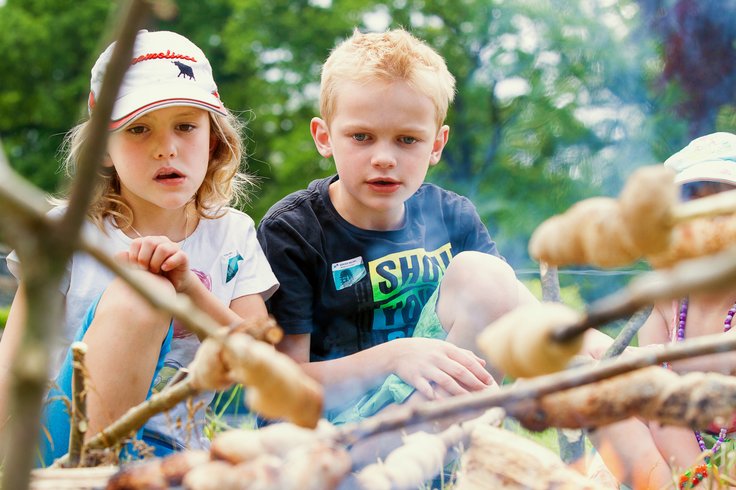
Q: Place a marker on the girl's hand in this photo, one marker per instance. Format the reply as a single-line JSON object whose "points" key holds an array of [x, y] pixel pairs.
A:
{"points": [[437, 368], [159, 255]]}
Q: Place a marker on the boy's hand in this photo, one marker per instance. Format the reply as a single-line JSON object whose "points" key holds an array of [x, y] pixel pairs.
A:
{"points": [[424, 363], [159, 255]]}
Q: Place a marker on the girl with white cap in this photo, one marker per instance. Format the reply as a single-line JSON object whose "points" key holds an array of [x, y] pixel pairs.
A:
{"points": [[173, 166], [647, 455]]}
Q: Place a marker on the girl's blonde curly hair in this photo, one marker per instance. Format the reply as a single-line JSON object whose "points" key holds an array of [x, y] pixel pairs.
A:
{"points": [[224, 183]]}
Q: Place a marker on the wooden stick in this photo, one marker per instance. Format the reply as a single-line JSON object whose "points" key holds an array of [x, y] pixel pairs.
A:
{"points": [[43, 254], [422, 455], [627, 333], [714, 205], [709, 273], [78, 425], [510, 396]]}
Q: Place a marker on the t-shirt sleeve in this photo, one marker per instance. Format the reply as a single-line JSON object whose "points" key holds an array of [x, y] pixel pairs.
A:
{"points": [[255, 275], [293, 260], [13, 262], [476, 236]]}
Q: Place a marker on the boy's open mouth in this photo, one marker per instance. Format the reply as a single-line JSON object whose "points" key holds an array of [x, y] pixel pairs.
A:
{"points": [[382, 182]]}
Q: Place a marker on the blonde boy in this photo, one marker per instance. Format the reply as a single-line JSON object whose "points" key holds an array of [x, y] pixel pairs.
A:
{"points": [[382, 274]]}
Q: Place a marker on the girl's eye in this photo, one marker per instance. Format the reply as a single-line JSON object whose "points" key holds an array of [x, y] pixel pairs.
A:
{"points": [[408, 140], [136, 129], [360, 137], [186, 127]]}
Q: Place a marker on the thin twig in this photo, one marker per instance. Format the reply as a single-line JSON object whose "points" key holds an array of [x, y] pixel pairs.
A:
{"points": [[79, 423], [627, 333]]}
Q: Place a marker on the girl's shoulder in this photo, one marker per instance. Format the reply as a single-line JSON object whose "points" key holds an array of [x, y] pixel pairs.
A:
{"points": [[227, 218]]}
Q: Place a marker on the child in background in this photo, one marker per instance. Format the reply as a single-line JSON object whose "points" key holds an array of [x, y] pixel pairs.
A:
{"points": [[172, 168], [382, 274], [706, 166]]}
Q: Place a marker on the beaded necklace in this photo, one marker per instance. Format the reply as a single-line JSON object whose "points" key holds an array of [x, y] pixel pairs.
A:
{"points": [[682, 320]]}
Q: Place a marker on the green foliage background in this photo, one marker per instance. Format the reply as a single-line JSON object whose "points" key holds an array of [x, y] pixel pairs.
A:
{"points": [[557, 99]]}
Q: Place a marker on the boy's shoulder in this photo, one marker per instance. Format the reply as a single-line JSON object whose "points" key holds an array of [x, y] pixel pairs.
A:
{"points": [[430, 194], [303, 202]]}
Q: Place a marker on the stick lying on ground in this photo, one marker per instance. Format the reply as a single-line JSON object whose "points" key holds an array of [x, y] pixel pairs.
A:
{"points": [[277, 388], [280, 456], [499, 458], [422, 455]]}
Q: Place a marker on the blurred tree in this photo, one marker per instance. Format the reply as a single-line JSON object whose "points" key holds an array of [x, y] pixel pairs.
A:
{"points": [[557, 100], [46, 47]]}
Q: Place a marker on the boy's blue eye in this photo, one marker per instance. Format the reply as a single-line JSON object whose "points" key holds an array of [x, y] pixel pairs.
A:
{"points": [[360, 137], [408, 140]]}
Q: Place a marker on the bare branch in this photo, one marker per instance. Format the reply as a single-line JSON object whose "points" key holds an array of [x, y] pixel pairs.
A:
{"points": [[90, 159], [78, 425]]}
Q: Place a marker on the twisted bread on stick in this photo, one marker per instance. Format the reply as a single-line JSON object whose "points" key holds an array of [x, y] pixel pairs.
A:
{"points": [[611, 232], [518, 343]]}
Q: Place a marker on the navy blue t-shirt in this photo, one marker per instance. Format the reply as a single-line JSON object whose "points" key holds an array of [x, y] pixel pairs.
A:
{"points": [[351, 288]]}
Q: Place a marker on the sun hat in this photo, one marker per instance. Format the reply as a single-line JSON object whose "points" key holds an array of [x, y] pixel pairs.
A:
{"points": [[709, 158], [167, 69]]}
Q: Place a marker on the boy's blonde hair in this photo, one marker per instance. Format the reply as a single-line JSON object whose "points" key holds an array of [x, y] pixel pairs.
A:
{"points": [[223, 184], [390, 56]]}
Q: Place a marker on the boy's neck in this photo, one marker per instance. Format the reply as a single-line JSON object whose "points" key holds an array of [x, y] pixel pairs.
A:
{"points": [[392, 219]]}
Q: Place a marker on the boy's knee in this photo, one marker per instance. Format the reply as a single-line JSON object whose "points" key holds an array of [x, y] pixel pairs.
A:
{"points": [[472, 271]]}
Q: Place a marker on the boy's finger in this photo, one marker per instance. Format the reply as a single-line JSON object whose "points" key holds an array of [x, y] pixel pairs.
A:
{"points": [[425, 388]]}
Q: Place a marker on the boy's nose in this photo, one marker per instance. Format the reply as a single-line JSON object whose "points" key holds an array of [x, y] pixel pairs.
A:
{"points": [[383, 159]]}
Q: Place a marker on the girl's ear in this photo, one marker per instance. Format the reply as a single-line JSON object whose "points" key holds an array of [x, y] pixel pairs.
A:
{"points": [[107, 161], [439, 144], [321, 136]]}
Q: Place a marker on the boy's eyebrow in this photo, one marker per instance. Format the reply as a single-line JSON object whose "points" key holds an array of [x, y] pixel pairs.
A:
{"points": [[358, 126]]}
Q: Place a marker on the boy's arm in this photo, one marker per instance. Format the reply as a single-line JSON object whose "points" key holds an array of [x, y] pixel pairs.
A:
{"points": [[421, 362]]}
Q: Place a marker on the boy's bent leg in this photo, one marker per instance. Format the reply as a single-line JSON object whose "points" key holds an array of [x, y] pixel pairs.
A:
{"points": [[124, 343], [477, 289]]}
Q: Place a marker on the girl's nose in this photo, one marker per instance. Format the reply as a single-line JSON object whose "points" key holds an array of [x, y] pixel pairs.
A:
{"points": [[165, 147]]}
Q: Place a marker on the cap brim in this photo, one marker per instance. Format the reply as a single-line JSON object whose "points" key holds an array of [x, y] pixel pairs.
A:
{"points": [[142, 101], [710, 171]]}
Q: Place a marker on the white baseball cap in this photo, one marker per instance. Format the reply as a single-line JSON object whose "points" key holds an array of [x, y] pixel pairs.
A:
{"points": [[167, 69], [710, 158]]}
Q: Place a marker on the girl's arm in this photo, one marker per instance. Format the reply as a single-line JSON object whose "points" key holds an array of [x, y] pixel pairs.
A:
{"points": [[677, 445], [9, 345], [160, 255]]}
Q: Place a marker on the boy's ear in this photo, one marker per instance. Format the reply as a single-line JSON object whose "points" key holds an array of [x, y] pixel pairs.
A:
{"points": [[439, 144], [321, 136]]}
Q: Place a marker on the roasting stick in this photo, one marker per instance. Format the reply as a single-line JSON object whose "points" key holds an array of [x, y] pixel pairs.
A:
{"points": [[512, 397], [542, 339], [715, 205], [709, 273]]}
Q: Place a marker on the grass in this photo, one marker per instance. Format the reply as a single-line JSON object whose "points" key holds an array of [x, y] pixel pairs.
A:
{"points": [[4, 316]]}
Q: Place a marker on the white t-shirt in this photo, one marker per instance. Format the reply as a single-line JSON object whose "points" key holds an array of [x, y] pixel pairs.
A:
{"points": [[225, 255]]}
